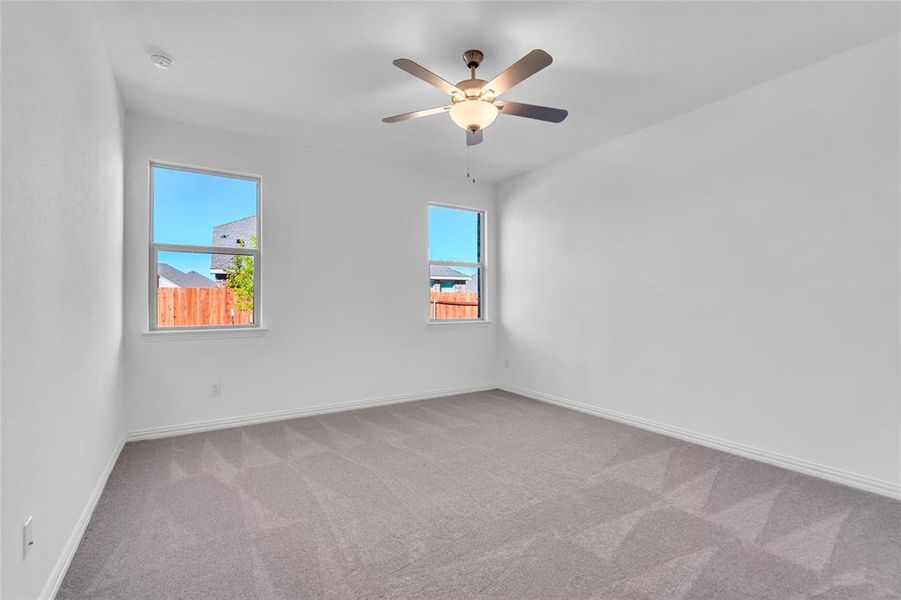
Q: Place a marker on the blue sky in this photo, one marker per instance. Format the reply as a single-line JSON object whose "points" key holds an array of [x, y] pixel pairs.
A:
{"points": [[453, 234], [186, 207]]}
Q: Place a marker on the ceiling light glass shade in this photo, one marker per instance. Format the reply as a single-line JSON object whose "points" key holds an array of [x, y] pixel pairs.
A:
{"points": [[473, 115]]}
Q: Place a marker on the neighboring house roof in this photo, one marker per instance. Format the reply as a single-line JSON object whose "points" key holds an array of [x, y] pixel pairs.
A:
{"points": [[229, 235], [191, 279], [440, 272]]}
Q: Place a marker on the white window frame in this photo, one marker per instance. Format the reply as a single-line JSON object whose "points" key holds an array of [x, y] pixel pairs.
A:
{"points": [[156, 248], [480, 265]]}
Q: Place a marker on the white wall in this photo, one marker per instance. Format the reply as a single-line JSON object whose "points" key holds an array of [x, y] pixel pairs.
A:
{"points": [[345, 291], [732, 271], [62, 280]]}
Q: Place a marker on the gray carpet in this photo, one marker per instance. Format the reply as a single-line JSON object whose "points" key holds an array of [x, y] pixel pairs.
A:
{"points": [[485, 495]]}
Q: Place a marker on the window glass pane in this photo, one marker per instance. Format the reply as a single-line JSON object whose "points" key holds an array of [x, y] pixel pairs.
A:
{"points": [[195, 289], [453, 293], [453, 234], [200, 209]]}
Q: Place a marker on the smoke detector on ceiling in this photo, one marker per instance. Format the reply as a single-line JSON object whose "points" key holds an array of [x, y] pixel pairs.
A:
{"points": [[161, 61]]}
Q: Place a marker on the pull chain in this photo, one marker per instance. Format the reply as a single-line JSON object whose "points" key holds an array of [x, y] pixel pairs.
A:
{"points": [[471, 163]]}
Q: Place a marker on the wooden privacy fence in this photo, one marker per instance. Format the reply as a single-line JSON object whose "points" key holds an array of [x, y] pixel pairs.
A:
{"points": [[453, 305], [184, 307]]}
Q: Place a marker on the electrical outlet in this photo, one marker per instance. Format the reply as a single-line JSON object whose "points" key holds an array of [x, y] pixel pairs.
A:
{"points": [[216, 388], [27, 536]]}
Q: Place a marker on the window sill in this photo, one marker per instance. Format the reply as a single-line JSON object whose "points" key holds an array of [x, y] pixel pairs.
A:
{"points": [[171, 335], [454, 324]]}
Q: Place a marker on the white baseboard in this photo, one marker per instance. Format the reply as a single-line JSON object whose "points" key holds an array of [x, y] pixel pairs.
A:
{"points": [[65, 557], [293, 413], [862, 482]]}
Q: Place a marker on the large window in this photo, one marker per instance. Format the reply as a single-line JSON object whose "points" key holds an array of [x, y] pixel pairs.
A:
{"points": [[205, 249], [456, 268]]}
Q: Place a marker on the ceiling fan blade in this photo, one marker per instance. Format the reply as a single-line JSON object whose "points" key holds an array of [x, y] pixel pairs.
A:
{"points": [[531, 111], [474, 137], [417, 113], [522, 69], [422, 73]]}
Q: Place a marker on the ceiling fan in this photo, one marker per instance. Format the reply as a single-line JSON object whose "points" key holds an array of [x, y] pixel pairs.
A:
{"points": [[474, 104]]}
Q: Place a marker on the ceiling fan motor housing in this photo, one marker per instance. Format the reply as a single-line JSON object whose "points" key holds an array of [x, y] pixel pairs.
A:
{"points": [[471, 87]]}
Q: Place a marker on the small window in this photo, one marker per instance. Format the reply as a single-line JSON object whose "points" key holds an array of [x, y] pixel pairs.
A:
{"points": [[205, 249], [456, 282]]}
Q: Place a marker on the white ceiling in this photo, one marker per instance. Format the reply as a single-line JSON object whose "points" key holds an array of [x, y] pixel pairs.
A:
{"points": [[322, 72]]}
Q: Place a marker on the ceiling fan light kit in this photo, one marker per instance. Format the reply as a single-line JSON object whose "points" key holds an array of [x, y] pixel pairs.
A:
{"points": [[474, 105], [473, 115]]}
